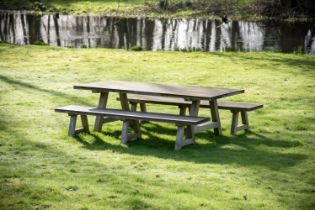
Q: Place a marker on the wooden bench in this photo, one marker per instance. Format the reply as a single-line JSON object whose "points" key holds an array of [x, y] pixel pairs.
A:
{"points": [[180, 121], [235, 107]]}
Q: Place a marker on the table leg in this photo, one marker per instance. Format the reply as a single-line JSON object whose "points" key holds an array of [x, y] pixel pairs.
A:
{"points": [[182, 110], [143, 107], [193, 111], [102, 105], [125, 106], [215, 117], [124, 101]]}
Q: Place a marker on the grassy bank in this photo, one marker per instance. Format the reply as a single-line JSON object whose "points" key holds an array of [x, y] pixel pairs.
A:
{"points": [[241, 9], [272, 167]]}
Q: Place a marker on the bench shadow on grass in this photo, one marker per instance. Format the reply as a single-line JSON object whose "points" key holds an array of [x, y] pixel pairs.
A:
{"points": [[241, 149]]}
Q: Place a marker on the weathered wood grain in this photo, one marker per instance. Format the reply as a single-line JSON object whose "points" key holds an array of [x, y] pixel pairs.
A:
{"points": [[205, 126], [180, 120], [234, 123], [124, 132], [193, 111], [186, 92], [179, 137], [72, 124], [143, 107], [241, 106], [85, 123], [215, 117], [245, 119], [128, 115], [125, 106], [101, 105]]}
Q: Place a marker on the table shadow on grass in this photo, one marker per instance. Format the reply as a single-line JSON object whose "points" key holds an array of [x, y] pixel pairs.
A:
{"points": [[241, 149]]}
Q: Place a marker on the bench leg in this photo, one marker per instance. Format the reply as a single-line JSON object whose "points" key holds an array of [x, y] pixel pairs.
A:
{"points": [[245, 120], [101, 104], [234, 125], [72, 125], [215, 117], [73, 121], [124, 132], [85, 123], [179, 138], [125, 136], [234, 122]]}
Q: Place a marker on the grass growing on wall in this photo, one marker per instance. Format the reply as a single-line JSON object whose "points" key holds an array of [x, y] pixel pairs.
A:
{"points": [[271, 167]]}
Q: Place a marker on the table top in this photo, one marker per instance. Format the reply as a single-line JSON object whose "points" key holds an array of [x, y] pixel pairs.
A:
{"points": [[187, 92]]}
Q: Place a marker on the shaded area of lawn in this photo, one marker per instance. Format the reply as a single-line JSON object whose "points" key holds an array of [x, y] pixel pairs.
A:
{"points": [[271, 167], [24, 85], [238, 150]]}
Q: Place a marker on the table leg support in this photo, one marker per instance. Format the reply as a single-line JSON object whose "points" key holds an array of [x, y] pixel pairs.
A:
{"points": [[125, 106], [182, 110], [133, 107], [215, 117], [193, 111], [143, 107], [102, 105]]}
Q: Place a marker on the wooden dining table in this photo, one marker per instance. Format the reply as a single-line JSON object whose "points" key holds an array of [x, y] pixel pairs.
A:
{"points": [[188, 93]]}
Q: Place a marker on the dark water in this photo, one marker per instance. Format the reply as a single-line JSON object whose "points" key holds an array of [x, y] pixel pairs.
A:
{"points": [[156, 34]]}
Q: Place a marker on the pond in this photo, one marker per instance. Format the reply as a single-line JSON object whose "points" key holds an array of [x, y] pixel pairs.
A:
{"points": [[21, 27]]}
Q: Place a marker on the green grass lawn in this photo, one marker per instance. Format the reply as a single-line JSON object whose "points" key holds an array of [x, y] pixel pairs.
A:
{"points": [[271, 167]]}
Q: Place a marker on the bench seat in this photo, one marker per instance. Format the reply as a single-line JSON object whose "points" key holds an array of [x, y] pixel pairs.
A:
{"points": [[204, 104], [234, 107], [83, 111]]}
